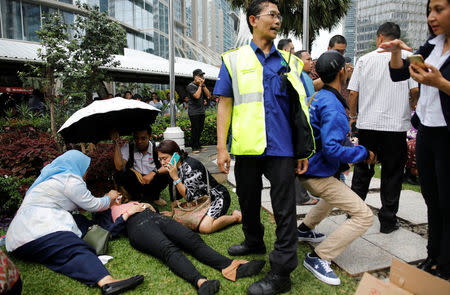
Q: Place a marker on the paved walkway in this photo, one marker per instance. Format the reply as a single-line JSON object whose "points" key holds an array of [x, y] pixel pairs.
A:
{"points": [[371, 252]]}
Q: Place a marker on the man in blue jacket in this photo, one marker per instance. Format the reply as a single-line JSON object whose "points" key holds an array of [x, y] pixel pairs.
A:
{"points": [[330, 127]]}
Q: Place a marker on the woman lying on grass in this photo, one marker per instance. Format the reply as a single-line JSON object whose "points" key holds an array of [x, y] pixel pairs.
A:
{"points": [[164, 238], [44, 231], [189, 178]]}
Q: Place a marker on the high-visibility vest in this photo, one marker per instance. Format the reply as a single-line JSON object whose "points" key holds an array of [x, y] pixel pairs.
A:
{"points": [[248, 124]]}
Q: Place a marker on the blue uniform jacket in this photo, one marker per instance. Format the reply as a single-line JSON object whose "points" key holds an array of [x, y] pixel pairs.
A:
{"points": [[330, 127]]}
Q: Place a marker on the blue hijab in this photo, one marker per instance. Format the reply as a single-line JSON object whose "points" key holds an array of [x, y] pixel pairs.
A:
{"points": [[71, 162]]}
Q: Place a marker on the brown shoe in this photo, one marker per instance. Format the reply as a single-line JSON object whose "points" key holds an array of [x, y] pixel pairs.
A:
{"points": [[160, 202], [196, 151]]}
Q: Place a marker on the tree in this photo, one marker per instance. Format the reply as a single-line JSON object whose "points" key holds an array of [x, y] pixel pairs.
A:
{"points": [[96, 39], [53, 39], [323, 14]]}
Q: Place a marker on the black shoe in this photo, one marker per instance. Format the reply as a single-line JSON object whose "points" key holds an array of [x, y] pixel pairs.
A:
{"points": [[439, 272], [271, 284], [122, 286], [243, 249], [387, 229], [250, 268], [427, 265], [209, 287]]}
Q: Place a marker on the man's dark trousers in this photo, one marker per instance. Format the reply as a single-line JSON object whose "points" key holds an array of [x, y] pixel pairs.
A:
{"points": [[390, 149], [138, 191], [197, 124], [280, 172]]}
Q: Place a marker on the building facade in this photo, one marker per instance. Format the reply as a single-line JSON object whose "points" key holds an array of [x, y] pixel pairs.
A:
{"points": [[350, 30], [410, 15], [203, 28]]}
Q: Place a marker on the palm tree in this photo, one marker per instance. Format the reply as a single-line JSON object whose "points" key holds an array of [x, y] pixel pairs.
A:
{"points": [[323, 14]]}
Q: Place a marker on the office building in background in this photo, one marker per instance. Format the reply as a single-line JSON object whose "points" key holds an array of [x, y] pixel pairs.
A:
{"points": [[203, 28]]}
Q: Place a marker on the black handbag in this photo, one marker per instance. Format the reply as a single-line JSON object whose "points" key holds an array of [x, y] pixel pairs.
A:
{"points": [[98, 238]]}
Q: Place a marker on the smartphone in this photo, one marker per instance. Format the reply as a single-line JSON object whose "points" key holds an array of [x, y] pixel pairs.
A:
{"points": [[175, 158], [416, 59]]}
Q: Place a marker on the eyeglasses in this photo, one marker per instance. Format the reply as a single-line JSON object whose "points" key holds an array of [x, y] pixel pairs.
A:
{"points": [[273, 15]]}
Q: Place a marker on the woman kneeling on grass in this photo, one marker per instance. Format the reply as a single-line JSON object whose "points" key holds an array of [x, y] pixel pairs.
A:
{"points": [[189, 178], [164, 238], [44, 231]]}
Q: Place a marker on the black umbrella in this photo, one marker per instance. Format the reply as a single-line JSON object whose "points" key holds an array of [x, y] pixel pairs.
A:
{"points": [[95, 122]]}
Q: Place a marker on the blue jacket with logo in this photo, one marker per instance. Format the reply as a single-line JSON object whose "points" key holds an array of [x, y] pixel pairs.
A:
{"points": [[330, 126]]}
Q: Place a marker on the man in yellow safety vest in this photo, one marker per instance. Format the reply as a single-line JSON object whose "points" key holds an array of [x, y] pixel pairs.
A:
{"points": [[260, 89]]}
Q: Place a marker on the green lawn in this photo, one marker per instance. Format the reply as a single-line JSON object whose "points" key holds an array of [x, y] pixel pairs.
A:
{"points": [[160, 280]]}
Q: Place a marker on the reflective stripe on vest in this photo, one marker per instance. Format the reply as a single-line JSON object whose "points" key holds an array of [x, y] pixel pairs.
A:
{"points": [[248, 123]]}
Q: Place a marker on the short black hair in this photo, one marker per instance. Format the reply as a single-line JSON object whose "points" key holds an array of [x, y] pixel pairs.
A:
{"points": [[128, 91], [255, 7], [148, 129], [337, 39], [299, 53], [283, 42], [389, 30], [137, 96]]}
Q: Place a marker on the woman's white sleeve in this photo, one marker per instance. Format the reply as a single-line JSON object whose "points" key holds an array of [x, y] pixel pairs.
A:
{"points": [[76, 190]]}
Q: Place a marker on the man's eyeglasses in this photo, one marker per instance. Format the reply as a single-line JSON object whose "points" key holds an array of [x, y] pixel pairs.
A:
{"points": [[273, 15], [341, 51]]}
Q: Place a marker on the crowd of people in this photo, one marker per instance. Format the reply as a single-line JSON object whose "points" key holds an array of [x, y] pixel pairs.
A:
{"points": [[291, 120]]}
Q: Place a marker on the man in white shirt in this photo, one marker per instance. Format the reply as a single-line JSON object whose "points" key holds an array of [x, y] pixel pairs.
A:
{"points": [[382, 114], [138, 168]]}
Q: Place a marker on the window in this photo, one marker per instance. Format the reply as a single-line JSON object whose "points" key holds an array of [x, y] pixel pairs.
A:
{"points": [[31, 21], [11, 20]]}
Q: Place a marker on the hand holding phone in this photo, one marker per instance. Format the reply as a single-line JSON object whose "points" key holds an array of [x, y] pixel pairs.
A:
{"points": [[417, 59], [175, 158]]}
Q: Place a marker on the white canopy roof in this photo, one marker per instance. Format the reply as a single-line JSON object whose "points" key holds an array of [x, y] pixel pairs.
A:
{"points": [[133, 61]]}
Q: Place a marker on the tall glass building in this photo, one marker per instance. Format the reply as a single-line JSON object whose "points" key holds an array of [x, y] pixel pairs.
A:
{"points": [[410, 15], [203, 28], [349, 31]]}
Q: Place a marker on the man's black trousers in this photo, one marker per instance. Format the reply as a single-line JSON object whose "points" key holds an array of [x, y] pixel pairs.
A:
{"points": [[138, 191], [197, 124], [390, 149], [433, 163], [280, 172]]}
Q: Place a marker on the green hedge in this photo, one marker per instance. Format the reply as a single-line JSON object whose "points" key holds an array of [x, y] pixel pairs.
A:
{"points": [[209, 134], [12, 190]]}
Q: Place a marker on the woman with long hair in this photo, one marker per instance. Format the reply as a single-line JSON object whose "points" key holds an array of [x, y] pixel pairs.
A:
{"points": [[433, 124]]}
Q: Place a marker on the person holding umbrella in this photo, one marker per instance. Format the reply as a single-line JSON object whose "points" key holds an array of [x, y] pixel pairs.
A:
{"points": [[138, 167], [45, 232]]}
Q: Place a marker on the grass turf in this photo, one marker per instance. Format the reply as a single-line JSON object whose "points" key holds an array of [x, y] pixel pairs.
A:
{"points": [[160, 280]]}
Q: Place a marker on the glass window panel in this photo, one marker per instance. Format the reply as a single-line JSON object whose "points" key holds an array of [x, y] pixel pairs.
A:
{"points": [[103, 5], [11, 19], [130, 40], [31, 21], [66, 1]]}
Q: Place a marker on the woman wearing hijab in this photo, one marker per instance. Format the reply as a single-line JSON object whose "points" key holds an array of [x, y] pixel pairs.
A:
{"points": [[45, 232]]}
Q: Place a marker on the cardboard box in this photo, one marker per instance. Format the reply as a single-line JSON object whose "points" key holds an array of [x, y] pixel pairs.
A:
{"points": [[404, 279]]}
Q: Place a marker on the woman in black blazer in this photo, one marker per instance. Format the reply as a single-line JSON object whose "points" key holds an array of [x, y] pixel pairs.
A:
{"points": [[433, 122]]}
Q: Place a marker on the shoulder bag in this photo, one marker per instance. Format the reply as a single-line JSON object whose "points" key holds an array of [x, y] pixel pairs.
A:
{"points": [[190, 214]]}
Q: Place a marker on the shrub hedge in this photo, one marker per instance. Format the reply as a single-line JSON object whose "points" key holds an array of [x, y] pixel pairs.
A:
{"points": [[209, 134]]}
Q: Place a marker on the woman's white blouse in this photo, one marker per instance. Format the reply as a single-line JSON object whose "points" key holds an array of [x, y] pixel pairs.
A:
{"points": [[45, 209], [429, 107]]}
